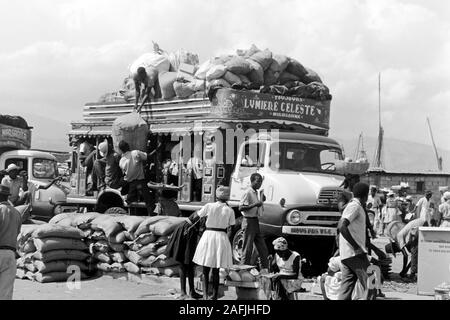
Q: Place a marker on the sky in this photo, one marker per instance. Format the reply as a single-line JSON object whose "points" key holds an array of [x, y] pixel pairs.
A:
{"points": [[57, 55]]}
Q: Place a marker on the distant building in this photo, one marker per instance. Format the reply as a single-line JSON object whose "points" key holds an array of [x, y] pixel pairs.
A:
{"points": [[418, 181]]}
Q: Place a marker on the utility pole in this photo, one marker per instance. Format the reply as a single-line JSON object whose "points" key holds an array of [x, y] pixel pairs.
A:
{"points": [[438, 158], [378, 154]]}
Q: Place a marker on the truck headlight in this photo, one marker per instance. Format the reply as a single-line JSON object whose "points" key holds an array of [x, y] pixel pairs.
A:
{"points": [[294, 217]]}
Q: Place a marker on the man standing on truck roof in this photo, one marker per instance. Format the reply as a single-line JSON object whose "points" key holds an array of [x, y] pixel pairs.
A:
{"points": [[148, 81], [17, 183], [132, 165], [10, 224], [251, 207]]}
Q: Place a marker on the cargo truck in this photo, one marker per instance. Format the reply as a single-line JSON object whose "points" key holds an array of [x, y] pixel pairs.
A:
{"points": [[301, 198]]}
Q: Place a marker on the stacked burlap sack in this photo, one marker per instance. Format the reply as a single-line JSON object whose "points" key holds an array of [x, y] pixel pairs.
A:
{"points": [[51, 253], [179, 75], [263, 71], [122, 243]]}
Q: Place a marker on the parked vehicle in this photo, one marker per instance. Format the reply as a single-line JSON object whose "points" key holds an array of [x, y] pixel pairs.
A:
{"points": [[300, 199], [41, 168]]}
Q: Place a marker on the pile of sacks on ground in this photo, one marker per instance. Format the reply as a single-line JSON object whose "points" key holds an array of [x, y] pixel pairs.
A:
{"points": [[50, 253], [181, 76], [122, 243]]}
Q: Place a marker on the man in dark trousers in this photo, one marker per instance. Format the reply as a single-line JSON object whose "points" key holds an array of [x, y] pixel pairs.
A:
{"points": [[352, 242], [10, 223], [251, 207]]}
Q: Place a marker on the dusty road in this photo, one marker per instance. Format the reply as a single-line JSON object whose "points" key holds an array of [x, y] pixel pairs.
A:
{"points": [[163, 288]]}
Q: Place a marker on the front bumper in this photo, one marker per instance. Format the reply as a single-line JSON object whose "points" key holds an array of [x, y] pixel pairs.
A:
{"points": [[309, 231]]}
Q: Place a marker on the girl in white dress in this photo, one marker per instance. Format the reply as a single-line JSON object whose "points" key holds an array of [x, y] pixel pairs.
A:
{"points": [[214, 248]]}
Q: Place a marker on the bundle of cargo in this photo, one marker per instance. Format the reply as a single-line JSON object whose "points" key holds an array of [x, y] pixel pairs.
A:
{"points": [[121, 243], [347, 166], [242, 276], [179, 75], [263, 71], [147, 250], [246, 280], [52, 253]]}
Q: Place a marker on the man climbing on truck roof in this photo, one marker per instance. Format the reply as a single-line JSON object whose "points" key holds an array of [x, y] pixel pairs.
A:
{"points": [[148, 81], [18, 185], [132, 165]]}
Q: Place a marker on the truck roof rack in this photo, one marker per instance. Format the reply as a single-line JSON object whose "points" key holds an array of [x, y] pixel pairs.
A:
{"points": [[227, 108]]}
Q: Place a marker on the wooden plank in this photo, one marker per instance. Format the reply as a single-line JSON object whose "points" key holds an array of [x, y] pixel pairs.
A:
{"points": [[145, 116], [161, 102], [156, 109], [242, 284]]}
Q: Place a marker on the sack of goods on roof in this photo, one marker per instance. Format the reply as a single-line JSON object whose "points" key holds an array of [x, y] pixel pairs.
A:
{"points": [[181, 75]]}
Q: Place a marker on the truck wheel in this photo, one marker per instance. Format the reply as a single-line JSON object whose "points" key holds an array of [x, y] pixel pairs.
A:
{"points": [[237, 246], [116, 210]]}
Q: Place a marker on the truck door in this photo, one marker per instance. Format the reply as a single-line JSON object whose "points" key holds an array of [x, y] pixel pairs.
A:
{"points": [[250, 160]]}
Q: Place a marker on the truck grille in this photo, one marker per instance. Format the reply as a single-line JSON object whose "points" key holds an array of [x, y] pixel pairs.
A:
{"points": [[328, 196]]}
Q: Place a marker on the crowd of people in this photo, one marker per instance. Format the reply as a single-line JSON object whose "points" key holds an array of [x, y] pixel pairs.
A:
{"points": [[130, 171], [394, 216], [204, 240]]}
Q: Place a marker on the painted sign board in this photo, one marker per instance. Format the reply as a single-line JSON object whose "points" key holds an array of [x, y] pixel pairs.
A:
{"points": [[14, 137], [434, 259], [230, 103]]}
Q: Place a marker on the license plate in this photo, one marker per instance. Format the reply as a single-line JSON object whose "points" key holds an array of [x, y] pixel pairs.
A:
{"points": [[310, 231]]}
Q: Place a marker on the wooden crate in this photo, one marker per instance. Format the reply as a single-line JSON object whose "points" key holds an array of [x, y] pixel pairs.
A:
{"points": [[242, 284]]}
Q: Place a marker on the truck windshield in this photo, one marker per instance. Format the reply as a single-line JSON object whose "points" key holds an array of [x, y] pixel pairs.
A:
{"points": [[299, 157], [44, 169]]}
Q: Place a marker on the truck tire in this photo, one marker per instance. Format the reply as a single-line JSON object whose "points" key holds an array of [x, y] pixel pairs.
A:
{"points": [[237, 243], [116, 210], [108, 199]]}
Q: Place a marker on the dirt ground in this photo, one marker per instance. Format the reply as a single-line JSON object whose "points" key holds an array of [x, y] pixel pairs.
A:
{"points": [[164, 288]]}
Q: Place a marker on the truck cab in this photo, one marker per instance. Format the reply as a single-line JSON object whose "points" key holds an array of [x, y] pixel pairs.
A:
{"points": [[42, 169], [300, 184]]}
